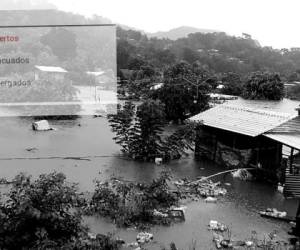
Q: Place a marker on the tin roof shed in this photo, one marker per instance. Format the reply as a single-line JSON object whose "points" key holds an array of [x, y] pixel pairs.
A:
{"points": [[287, 133], [242, 120]]}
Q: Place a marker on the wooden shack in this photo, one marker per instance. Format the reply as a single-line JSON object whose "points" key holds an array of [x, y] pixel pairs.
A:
{"points": [[234, 137], [49, 73]]}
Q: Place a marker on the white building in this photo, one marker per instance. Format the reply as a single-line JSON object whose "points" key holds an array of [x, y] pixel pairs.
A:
{"points": [[49, 72]]}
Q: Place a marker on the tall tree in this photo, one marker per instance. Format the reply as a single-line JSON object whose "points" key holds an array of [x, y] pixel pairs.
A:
{"points": [[139, 131], [263, 86], [185, 91], [232, 84]]}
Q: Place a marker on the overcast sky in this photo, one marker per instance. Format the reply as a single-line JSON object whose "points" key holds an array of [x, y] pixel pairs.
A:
{"points": [[272, 22]]}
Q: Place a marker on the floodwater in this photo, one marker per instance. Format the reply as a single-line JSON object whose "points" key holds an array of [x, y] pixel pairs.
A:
{"points": [[95, 155]]}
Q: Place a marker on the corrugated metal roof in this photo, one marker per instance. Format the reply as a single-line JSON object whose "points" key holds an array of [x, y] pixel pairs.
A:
{"points": [[247, 121], [283, 106], [95, 73], [51, 69], [287, 133], [289, 140]]}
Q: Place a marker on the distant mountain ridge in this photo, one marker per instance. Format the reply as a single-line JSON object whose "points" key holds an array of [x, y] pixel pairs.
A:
{"points": [[26, 5], [179, 32]]}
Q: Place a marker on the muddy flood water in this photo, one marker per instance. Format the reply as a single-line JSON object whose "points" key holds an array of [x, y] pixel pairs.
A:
{"points": [[83, 149]]}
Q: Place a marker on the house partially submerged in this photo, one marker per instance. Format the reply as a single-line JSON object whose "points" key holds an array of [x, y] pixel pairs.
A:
{"points": [[237, 136], [49, 73]]}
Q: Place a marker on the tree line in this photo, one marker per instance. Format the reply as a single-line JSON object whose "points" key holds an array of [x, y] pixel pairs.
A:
{"points": [[217, 52]]}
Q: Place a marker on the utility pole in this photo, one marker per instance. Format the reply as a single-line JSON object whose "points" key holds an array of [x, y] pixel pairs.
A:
{"points": [[197, 88]]}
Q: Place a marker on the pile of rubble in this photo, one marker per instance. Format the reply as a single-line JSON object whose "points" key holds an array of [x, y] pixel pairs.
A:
{"points": [[222, 239], [201, 188], [242, 174], [141, 239], [217, 226], [172, 214], [273, 212]]}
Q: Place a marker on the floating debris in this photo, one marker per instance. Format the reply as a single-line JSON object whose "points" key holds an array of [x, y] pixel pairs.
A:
{"points": [[133, 244], [242, 174], [217, 226], [159, 214], [200, 188], [280, 188], [158, 161], [220, 241], [4, 181], [224, 240], [42, 125], [211, 200], [274, 213], [182, 208], [171, 213], [177, 213], [144, 237], [31, 149], [179, 183], [249, 243], [120, 241], [92, 236]]}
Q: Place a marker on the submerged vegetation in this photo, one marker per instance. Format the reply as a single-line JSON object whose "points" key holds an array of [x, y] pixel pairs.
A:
{"points": [[132, 204], [44, 214]]}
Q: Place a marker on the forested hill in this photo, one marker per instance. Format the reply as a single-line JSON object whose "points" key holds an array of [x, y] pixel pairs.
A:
{"points": [[217, 52], [179, 32]]}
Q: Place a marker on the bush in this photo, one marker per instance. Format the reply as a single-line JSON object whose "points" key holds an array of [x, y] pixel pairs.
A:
{"points": [[44, 214]]}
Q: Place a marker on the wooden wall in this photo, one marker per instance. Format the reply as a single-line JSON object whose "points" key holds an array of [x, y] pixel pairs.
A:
{"points": [[233, 150]]}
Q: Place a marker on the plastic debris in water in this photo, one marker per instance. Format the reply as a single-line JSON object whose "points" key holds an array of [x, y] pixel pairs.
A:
{"points": [[144, 237], [242, 174], [211, 199]]}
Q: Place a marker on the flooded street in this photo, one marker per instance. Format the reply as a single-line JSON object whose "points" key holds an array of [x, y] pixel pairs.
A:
{"points": [[83, 149]]}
